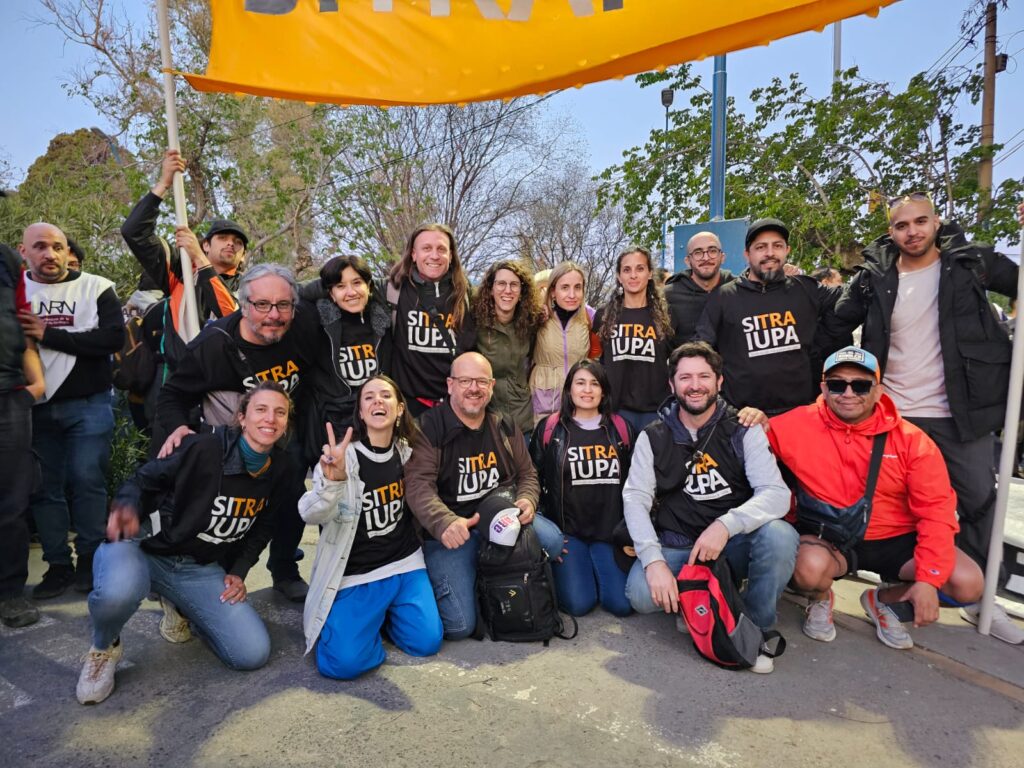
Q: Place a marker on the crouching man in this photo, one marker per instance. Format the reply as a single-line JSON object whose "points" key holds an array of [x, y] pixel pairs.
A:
{"points": [[716, 490], [909, 539]]}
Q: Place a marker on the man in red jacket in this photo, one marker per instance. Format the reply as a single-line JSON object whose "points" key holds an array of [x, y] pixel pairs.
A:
{"points": [[909, 540]]}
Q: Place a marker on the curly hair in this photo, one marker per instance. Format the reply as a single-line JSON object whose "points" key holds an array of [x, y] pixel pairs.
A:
{"points": [[528, 315], [402, 270], [655, 299]]}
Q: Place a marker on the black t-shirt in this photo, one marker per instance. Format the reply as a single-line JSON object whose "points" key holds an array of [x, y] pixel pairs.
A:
{"points": [[384, 533], [591, 484], [635, 359], [470, 469], [355, 360]]}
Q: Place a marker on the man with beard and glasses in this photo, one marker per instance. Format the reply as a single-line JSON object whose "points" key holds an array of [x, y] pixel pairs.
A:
{"points": [[945, 358], [715, 489], [766, 326], [687, 292], [270, 338]]}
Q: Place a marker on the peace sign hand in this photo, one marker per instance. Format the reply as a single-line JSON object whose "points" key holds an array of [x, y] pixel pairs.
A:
{"points": [[332, 463]]}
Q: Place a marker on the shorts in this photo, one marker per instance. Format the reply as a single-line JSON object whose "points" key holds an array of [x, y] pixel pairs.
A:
{"points": [[882, 556]]}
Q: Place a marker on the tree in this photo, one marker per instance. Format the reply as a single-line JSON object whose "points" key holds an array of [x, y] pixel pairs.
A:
{"points": [[823, 165]]}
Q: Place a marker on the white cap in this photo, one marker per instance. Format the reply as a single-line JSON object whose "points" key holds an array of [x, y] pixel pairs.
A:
{"points": [[505, 527]]}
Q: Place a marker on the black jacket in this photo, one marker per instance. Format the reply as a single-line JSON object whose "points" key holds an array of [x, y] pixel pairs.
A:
{"points": [[975, 348], [12, 338], [184, 489], [686, 302]]}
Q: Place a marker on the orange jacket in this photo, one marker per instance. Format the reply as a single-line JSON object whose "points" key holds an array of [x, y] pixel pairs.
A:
{"points": [[830, 460]]}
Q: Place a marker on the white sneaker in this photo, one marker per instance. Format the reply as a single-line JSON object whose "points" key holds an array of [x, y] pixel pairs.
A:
{"points": [[818, 623], [764, 665], [1003, 627], [96, 680], [173, 626]]}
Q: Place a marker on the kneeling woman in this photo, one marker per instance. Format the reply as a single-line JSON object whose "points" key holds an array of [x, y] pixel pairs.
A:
{"points": [[369, 571], [582, 459], [213, 502]]}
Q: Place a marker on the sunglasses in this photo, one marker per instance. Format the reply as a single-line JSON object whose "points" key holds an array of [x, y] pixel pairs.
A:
{"points": [[860, 387], [895, 202]]}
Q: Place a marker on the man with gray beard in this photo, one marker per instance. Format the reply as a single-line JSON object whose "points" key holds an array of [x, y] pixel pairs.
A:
{"points": [[766, 326]]}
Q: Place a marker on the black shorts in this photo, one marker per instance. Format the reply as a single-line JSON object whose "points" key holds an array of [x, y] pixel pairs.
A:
{"points": [[882, 556]]}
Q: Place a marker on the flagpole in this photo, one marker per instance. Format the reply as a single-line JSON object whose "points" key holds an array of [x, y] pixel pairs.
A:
{"points": [[1006, 460], [188, 319]]}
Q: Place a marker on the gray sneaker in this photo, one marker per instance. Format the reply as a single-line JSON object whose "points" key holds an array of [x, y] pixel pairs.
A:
{"points": [[1003, 627], [888, 628], [818, 623], [96, 680], [18, 612], [173, 626]]}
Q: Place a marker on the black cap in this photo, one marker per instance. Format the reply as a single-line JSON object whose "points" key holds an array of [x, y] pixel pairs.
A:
{"points": [[764, 225], [226, 225]]}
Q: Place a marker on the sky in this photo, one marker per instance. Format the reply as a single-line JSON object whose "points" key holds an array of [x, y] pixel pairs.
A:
{"points": [[905, 38]]}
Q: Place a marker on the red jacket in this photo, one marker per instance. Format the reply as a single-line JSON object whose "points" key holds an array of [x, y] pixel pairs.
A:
{"points": [[830, 460]]}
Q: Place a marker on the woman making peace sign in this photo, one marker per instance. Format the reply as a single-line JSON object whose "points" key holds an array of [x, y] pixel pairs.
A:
{"points": [[369, 570]]}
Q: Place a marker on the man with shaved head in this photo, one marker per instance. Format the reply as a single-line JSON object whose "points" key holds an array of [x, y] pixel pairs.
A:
{"points": [[76, 321], [464, 455], [687, 291]]}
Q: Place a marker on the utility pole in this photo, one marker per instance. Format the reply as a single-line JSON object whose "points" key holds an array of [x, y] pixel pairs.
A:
{"points": [[667, 97], [837, 50], [718, 134], [988, 115]]}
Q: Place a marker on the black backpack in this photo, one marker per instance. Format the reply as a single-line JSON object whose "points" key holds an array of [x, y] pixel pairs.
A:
{"points": [[515, 587]]}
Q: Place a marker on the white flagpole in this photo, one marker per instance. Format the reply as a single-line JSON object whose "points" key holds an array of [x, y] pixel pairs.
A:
{"points": [[1006, 457], [188, 319]]}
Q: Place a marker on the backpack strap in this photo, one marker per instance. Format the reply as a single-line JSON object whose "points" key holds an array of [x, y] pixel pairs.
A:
{"points": [[873, 469], [549, 428], [773, 644], [391, 294], [621, 428]]}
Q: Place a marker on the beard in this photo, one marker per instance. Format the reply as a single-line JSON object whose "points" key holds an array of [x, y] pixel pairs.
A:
{"points": [[696, 409], [768, 275]]}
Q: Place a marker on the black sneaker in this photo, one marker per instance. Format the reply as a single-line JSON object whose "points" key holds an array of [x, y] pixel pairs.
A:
{"points": [[55, 581], [18, 612], [293, 589], [83, 574]]}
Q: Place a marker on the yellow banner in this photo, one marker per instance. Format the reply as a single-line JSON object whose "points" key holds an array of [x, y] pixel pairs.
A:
{"points": [[391, 52]]}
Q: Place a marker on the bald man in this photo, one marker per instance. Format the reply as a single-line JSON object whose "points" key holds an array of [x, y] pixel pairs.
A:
{"points": [[687, 291], [75, 319]]}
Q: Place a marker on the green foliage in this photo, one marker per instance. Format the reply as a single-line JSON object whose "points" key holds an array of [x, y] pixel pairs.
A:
{"points": [[820, 164], [128, 448]]}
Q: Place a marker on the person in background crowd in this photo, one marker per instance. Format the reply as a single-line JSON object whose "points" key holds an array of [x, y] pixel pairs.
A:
{"points": [[945, 359], [687, 292], [21, 384], [714, 489], [828, 276], [634, 331], [429, 294], [216, 497], [271, 338], [563, 339], [464, 455], [369, 572], [582, 460], [827, 446], [76, 320], [76, 256], [356, 327], [766, 326], [507, 317]]}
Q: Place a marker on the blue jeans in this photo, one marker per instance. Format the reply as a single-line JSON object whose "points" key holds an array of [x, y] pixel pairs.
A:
{"points": [[123, 575], [765, 558], [350, 642], [72, 439], [453, 576], [638, 419], [588, 573]]}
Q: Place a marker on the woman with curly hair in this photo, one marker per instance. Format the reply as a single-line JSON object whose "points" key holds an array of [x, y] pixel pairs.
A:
{"points": [[563, 339], [507, 317], [635, 334]]}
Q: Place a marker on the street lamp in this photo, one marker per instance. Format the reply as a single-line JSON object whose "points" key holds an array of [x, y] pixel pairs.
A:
{"points": [[667, 95]]}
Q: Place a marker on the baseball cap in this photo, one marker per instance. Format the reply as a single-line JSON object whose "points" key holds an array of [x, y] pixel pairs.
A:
{"points": [[500, 517], [763, 225], [853, 356], [226, 225]]}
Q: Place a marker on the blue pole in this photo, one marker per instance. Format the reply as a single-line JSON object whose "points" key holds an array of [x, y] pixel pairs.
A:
{"points": [[718, 95]]}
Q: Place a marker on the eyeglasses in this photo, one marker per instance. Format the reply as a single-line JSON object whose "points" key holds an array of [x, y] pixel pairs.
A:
{"points": [[263, 307], [465, 382], [860, 387], [700, 253], [910, 197], [514, 286]]}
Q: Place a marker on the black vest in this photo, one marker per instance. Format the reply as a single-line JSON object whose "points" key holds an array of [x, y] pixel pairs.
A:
{"points": [[698, 481], [12, 339]]}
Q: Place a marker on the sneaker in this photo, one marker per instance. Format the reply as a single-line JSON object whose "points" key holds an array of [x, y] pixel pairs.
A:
{"points": [[293, 589], [18, 612], [818, 623], [888, 628], [55, 582], [173, 626], [1003, 627], [681, 625], [764, 665], [96, 681], [83, 574]]}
